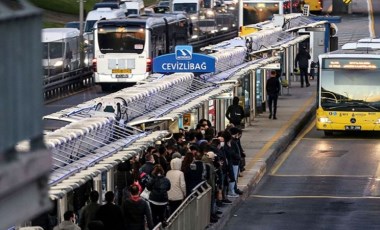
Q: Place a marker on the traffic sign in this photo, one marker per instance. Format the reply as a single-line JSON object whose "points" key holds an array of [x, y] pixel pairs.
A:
{"points": [[347, 1]]}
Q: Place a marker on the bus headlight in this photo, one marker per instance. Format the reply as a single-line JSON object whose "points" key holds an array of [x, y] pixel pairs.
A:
{"points": [[377, 121], [324, 120], [58, 63]]}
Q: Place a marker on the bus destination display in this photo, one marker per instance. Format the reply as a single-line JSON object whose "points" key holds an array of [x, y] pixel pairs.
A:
{"points": [[350, 63]]}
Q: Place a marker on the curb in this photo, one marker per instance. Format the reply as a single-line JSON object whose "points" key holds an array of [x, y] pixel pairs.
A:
{"points": [[261, 167]]}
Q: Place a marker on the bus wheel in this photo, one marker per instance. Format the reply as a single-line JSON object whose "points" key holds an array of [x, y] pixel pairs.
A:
{"points": [[328, 133]]}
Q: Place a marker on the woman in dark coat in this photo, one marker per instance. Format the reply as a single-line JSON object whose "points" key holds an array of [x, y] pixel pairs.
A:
{"points": [[158, 186]]}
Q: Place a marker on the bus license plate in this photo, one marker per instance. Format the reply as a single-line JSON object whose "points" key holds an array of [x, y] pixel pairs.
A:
{"points": [[353, 127], [121, 71], [121, 75]]}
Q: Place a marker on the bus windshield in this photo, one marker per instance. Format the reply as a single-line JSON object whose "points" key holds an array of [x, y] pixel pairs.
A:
{"points": [[89, 26], [254, 12], [346, 89], [129, 39], [52, 50], [190, 8]]}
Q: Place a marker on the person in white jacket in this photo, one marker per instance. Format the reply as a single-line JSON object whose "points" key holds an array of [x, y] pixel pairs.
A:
{"points": [[177, 190]]}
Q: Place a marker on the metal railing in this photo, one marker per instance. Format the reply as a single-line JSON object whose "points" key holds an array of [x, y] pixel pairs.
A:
{"points": [[193, 213]]}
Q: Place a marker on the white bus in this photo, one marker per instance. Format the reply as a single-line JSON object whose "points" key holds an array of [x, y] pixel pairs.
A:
{"points": [[124, 48], [255, 11], [60, 50], [99, 14]]}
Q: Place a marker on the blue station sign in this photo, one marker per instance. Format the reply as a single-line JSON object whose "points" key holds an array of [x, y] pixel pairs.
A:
{"points": [[184, 60]]}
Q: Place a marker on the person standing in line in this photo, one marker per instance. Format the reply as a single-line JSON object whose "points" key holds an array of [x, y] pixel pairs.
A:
{"points": [[158, 186], [235, 143], [233, 159], [89, 211], [68, 222], [177, 192], [136, 211], [110, 214], [273, 88], [235, 112], [302, 60]]}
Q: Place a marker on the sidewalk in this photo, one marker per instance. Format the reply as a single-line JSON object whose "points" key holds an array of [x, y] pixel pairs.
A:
{"points": [[266, 139]]}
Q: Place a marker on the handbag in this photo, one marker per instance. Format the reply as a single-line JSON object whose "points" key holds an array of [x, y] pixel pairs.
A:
{"points": [[145, 194]]}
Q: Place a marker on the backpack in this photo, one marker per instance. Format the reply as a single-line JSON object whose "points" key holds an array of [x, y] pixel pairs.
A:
{"points": [[144, 179]]}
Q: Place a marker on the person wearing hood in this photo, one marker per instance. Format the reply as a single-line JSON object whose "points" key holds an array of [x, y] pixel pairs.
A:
{"points": [[177, 191], [68, 222], [235, 113]]}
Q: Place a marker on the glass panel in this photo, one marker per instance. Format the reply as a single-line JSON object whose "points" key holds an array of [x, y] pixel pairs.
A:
{"points": [[53, 50], [344, 89], [188, 7], [258, 12], [89, 26], [121, 39]]}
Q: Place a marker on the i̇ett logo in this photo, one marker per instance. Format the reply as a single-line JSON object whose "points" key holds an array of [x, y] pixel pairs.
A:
{"points": [[183, 52]]}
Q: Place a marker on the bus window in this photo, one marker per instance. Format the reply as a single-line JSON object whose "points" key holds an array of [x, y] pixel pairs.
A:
{"points": [[129, 39], [190, 8], [258, 12], [53, 50]]}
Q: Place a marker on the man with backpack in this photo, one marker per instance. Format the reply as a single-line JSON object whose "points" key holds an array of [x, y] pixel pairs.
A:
{"points": [[235, 113]]}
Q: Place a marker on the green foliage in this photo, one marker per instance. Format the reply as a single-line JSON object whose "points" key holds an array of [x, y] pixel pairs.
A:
{"points": [[52, 25], [64, 6]]}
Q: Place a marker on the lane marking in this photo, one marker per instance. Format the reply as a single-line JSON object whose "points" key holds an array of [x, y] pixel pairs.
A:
{"points": [[344, 176], [289, 150], [315, 197], [371, 18], [340, 139], [279, 133]]}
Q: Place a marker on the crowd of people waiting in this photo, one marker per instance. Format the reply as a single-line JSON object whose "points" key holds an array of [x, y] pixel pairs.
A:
{"points": [[166, 174]]}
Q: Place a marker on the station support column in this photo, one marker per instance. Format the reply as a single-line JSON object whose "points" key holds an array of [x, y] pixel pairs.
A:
{"points": [[110, 179], [98, 186], [62, 207]]}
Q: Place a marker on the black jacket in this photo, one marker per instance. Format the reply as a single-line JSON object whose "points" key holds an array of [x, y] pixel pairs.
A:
{"points": [[235, 113], [111, 216], [135, 212], [158, 187], [273, 86], [196, 174], [302, 59]]}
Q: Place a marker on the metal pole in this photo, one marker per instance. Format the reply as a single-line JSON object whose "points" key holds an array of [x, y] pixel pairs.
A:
{"points": [[349, 8], [240, 15], [291, 6], [287, 67], [82, 47]]}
